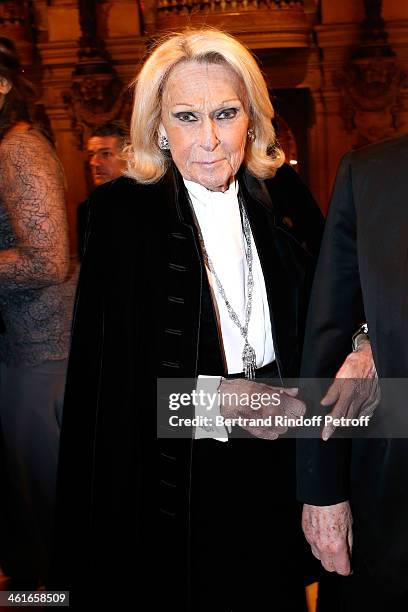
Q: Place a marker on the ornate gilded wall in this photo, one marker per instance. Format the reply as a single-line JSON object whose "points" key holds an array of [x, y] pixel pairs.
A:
{"points": [[337, 69]]}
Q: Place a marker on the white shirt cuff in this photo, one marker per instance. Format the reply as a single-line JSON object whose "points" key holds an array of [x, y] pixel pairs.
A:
{"points": [[209, 408]]}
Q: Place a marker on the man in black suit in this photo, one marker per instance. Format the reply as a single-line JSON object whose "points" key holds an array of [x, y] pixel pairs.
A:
{"points": [[357, 488]]}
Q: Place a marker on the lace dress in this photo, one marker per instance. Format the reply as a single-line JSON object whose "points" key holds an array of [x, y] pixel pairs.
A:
{"points": [[36, 290]]}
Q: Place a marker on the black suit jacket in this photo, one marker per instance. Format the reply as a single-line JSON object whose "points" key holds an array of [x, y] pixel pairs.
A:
{"points": [[136, 318], [362, 275]]}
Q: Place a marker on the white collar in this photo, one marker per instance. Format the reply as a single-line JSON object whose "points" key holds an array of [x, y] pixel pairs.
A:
{"points": [[207, 197]]}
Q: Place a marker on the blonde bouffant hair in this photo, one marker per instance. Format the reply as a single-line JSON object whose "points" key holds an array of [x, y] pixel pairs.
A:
{"points": [[147, 163]]}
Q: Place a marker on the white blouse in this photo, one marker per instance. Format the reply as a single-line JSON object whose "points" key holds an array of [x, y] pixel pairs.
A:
{"points": [[219, 219]]}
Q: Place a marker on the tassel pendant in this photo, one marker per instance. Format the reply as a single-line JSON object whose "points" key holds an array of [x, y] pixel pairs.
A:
{"points": [[249, 360]]}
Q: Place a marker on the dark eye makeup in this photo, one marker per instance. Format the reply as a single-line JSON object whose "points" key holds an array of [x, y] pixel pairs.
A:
{"points": [[224, 113]]}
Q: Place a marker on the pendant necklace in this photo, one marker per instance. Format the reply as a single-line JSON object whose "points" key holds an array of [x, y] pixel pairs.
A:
{"points": [[248, 353]]}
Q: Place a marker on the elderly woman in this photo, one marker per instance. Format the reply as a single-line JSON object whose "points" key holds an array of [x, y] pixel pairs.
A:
{"points": [[198, 262]]}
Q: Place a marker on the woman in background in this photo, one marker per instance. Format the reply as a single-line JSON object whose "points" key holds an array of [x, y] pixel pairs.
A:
{"points": [[36, 298]]}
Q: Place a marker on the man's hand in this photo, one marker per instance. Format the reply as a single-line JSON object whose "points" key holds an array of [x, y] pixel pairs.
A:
{"points": [[355, 391], [287, 405], [328, 529]]}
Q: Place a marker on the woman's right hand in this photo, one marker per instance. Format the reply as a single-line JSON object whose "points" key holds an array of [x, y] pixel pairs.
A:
{"points": [[245, 398]]}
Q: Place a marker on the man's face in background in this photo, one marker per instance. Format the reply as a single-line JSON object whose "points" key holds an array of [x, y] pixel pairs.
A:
{"points": [[104, 160]]}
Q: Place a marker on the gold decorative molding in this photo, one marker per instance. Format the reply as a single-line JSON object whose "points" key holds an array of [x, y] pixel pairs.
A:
{"points": [[273, 23], [97, 94], [16, 24], [371, 83], [94, 100]]}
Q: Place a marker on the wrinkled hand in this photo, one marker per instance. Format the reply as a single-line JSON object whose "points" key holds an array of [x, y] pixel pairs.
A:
{"points": [[355, 391], [288, 405], [328, 529]]}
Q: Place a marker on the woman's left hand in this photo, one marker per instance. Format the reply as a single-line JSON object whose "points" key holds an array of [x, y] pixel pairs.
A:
{"points": [[263, 401]]}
